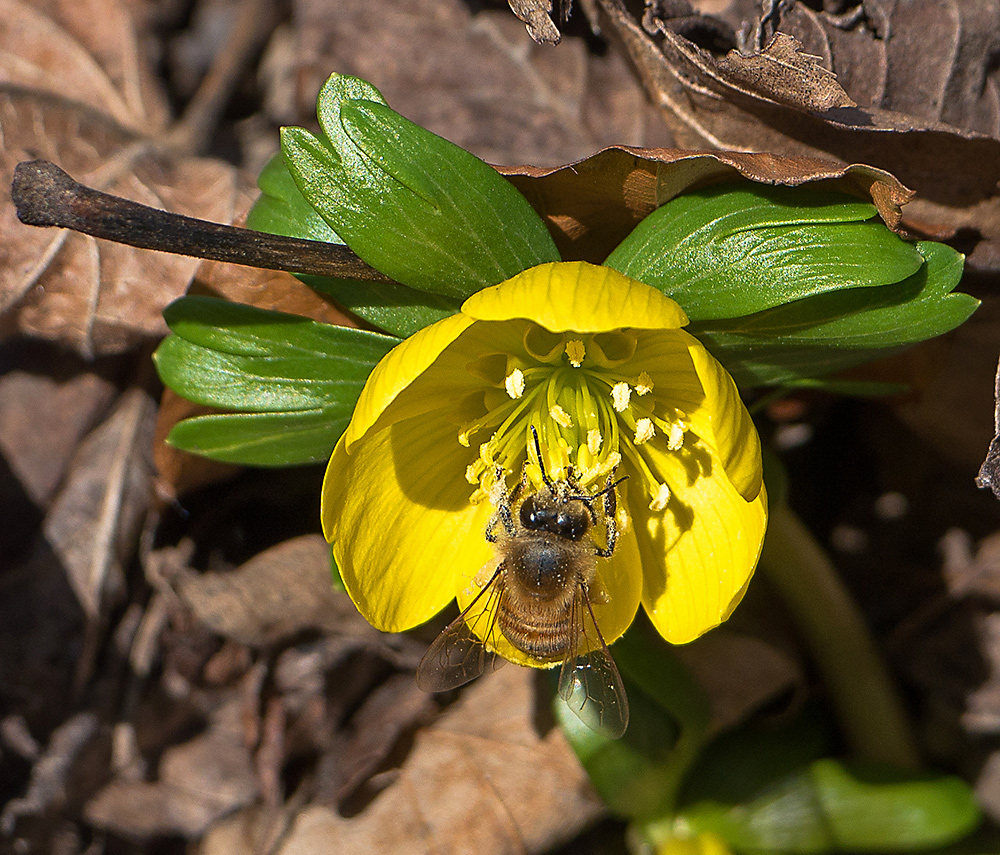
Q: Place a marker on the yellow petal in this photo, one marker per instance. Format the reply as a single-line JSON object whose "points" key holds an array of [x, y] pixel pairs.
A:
{"points": [[575, 295], [397, 512], [699, 554], [618, 576], [398, 369], [735, 437]]}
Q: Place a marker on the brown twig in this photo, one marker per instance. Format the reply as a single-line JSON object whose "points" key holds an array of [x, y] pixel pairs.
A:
{"points": [[44, 195]]}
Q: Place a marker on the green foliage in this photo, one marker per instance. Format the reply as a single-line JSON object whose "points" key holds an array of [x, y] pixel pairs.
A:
{"points": [[832, 806], [413, 205], [787, 283], [296, 381], [283, 210]]}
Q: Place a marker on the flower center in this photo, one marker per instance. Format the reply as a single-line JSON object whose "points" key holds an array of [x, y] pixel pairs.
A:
{"points": [[589, 402]]}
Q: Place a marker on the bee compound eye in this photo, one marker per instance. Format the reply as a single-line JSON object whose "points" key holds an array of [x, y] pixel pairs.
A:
{"points": [[529, 513], [572, 526]]}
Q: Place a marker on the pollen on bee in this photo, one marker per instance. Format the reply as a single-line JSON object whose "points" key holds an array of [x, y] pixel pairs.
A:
{"points": [[644, 385], [594, 440], [620, 394], [661, 498], [644, 431], [514, 383], [560, 416], [575, 352], [676, 438]]}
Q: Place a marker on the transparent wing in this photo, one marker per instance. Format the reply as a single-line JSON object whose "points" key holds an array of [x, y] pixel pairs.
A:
{"points": [[458, 654], [590, 683]]}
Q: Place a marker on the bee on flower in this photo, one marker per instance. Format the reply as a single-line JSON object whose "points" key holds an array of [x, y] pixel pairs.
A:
{"points": [[592, 369]]}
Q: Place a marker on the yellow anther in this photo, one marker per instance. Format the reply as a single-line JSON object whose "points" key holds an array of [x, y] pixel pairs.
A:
{"points": [[620, 394], [644, 385], [514, 384], [575, 351], [560, 416], [594, 440], [644, 431], [661, 498], [676, 438]]}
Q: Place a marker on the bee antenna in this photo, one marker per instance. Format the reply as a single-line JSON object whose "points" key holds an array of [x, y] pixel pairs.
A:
{"points": [[609, 488], [541, 465]]}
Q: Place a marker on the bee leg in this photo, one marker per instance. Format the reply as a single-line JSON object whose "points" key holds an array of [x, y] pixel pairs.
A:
{"points": [[502, 499], [610, 512]]}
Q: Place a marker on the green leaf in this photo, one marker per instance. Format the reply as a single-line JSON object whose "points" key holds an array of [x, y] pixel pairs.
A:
{"points": [[283, 210], [297, 380], [413, 205], [398, 310], [833, 331], [262, 439], [736, 249], [837, 807]]}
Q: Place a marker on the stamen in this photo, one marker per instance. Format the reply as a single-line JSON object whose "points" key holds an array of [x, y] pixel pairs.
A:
{"points": [[644, 431], [594, 440], [644, 385], [560, 416], [473, 471], [514, 384], [661, 498], [575, 352], [620, 394], [676, 438]]}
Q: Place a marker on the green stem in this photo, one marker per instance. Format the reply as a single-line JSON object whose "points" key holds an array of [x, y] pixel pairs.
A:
{"points": [[870, 711]]}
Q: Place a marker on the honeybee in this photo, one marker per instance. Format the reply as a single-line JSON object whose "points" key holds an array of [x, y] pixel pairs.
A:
{"points": [[539, 597]]}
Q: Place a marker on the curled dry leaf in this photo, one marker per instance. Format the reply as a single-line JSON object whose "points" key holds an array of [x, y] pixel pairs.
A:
{"points": [[536, 15], [74, 90], [482, 779], [989, 472], [593, 204], [927, 97]]}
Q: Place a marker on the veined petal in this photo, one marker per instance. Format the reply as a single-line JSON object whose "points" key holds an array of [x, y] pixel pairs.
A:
{"points": [[699, 554], [618, 577], [398, 369], [397, 512], [578, 296], [733, 432]]}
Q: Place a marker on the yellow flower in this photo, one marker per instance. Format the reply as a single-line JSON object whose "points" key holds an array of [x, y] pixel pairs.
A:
{"points": [[598, 364]]}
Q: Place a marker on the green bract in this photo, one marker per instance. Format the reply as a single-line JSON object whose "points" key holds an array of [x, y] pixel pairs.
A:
{"points": [[297, 380]]}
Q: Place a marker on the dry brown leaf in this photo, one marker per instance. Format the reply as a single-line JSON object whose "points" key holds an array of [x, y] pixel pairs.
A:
{"points": [[482, 779], [592, 205], [47, 405], [198, 782], [277, 594], [476, 79], [74, 90], [904, 86], [536, 16], [782, 72], [93, 525]]}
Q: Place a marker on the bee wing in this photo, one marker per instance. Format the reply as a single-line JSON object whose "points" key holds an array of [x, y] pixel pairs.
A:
{"points": [[590, 683], [458, 654]]}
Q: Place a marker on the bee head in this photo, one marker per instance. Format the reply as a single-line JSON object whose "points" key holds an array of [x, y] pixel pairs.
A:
{"points": [[567, 518]]}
